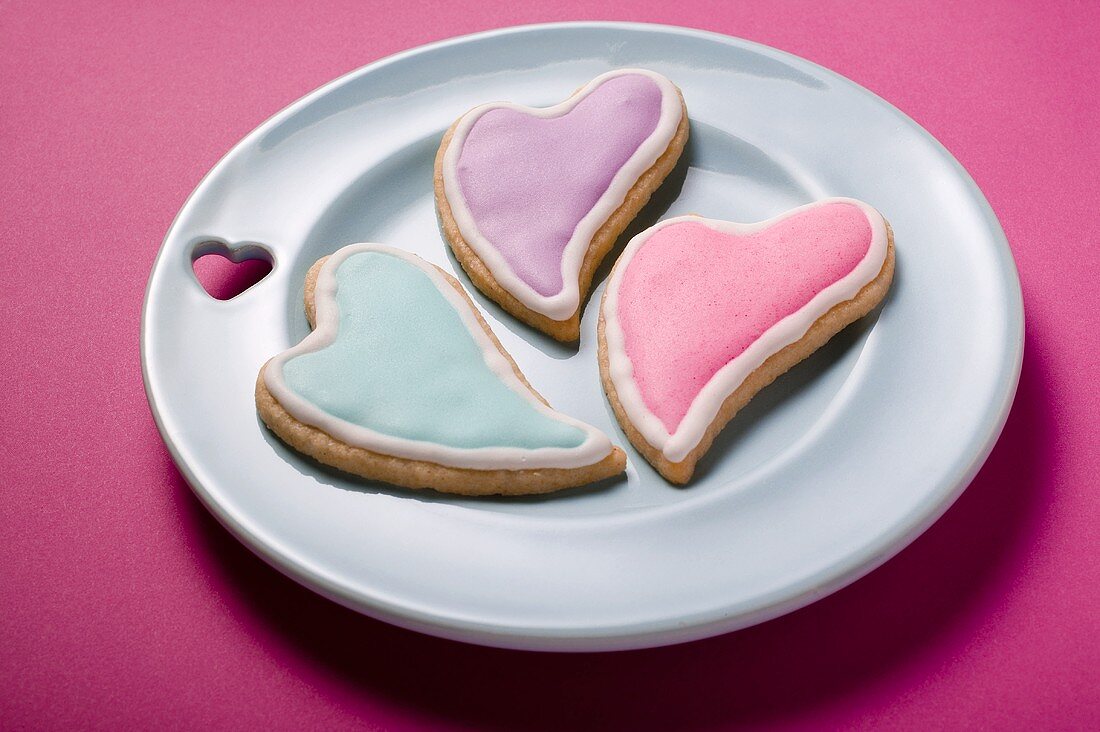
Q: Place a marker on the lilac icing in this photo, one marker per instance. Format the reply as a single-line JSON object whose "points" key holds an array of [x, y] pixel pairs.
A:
{"points": [[529, 181]]}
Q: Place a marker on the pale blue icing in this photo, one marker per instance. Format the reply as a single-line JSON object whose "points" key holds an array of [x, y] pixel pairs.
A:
{"points": [[403, 364]]}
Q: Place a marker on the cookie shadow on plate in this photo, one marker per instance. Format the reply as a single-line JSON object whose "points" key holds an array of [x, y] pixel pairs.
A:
{"points": [[330, 476], [760, 408], [546, 344], [787, 386]]}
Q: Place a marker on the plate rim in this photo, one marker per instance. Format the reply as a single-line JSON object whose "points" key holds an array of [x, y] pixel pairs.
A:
{"points": [[644, 634]]}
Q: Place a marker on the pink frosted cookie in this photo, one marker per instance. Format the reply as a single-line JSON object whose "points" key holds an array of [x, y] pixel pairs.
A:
{"points": [[531, 200], [700, 314]]}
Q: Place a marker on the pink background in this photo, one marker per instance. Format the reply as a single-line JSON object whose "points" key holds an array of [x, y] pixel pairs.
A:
{"points": [[125, 604]]}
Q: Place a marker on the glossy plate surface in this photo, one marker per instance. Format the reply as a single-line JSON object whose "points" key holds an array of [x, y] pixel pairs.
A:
{"points": [[825, 475]]}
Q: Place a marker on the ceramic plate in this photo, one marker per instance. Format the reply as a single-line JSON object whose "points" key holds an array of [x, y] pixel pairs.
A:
{"points": [[825, 475]]}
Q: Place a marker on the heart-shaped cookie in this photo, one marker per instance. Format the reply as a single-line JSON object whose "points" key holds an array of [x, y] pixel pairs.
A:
{"points": [[403, 381], [700, 314], [531, 200]]}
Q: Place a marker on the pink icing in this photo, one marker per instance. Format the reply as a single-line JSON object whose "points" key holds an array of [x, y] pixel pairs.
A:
{"points": [[692, 298], [529, 181]]}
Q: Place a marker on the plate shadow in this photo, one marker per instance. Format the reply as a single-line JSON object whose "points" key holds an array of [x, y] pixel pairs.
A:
{"points": [[902, 614]]}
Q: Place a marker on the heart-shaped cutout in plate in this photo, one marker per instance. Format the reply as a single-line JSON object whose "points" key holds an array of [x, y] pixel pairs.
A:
{"points": [[226, 272]]}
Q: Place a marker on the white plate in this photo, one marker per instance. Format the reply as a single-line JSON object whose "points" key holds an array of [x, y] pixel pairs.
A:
{"points": [[824, 476]]}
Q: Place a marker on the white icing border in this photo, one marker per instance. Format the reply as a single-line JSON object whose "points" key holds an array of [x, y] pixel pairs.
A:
{"points": [[704, 408], [595, 447], [562, 305]]}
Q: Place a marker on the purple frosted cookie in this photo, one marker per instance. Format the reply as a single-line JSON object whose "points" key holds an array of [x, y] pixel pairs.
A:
{"points": [[531, 200]]}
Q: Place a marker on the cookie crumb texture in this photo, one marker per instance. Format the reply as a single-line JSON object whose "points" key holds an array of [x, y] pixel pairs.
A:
{"points": [[402, 381]]}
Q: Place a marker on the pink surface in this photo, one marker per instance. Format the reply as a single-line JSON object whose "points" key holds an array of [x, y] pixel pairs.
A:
{"points": [[693, 298], [529, 181], [126, 605], [225, 279]]}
